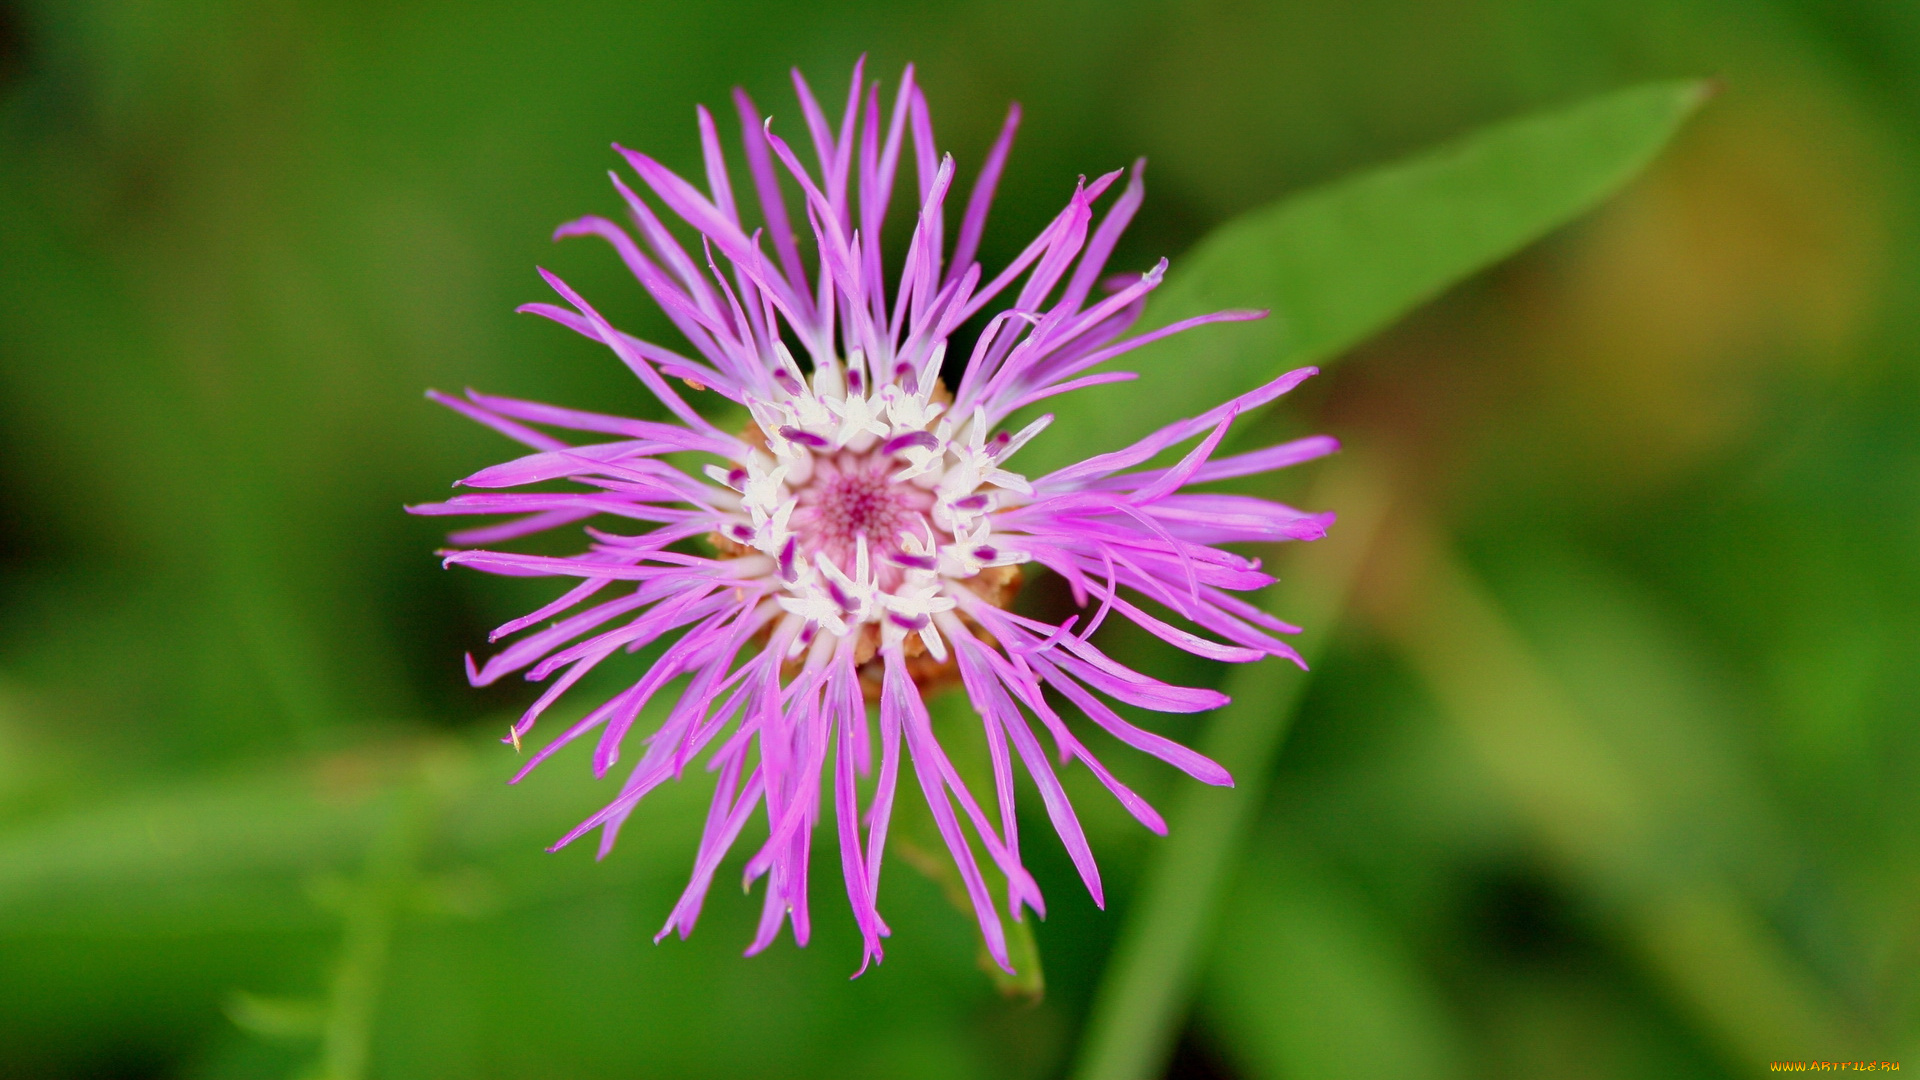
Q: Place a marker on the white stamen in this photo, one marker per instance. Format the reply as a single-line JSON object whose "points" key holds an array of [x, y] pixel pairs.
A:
{"points": [[960, 471]]}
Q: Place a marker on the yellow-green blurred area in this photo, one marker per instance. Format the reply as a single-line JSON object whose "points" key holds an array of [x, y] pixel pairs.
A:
{"points": [[1611, 767]]}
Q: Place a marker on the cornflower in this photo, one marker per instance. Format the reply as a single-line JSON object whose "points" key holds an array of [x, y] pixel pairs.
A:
{"points": [[860, 540]]}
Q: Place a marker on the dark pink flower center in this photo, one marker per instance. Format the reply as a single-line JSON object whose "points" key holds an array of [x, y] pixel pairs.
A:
{"points": [[852, 495]]}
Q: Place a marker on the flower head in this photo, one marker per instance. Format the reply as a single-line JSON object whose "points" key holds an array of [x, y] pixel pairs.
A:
{"points": [[858, 537]]}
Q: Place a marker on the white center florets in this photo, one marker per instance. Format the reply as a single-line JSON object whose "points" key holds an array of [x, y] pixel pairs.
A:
{"points": [[869, 500]]}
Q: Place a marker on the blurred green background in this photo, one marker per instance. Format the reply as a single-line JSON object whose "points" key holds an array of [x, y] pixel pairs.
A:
{"points": [[1610, 770]]}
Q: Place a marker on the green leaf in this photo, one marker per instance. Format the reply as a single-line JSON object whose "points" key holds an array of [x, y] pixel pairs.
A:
{"points": [[1337, 264]]}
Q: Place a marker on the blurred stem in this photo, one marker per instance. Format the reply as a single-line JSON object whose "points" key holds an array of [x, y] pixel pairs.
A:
{"points": [[372, 905], [1598, 823], [1029, 979], [1143, 996]]}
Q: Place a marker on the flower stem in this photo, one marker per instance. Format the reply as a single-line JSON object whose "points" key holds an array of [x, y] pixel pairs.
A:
{"points": [[372, 907]]}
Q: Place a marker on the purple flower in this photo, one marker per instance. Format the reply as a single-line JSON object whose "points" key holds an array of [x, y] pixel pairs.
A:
{"points": [[866, 528]]}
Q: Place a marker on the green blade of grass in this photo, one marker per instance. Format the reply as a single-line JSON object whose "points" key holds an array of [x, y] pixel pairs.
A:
{"points": [[1144, 993]]}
